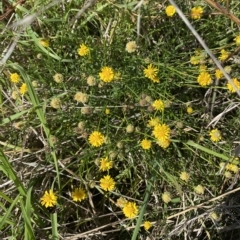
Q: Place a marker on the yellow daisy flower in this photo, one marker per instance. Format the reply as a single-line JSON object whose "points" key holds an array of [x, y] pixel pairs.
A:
{"points": [[15, 78], [164, 143], [105, 164], [184, 176], [204, 79], [158, 105], [170, 10], [107, 183], [224, 55], [199, 189], [130, 210], [147, 225], [83, 50], [96, 139], [23, 89], [146, 144], [161, 132], [44, 42], [166, 197], [49, 199], [218, 74], [230, 86], [237, 40], [106, 74], [215, 135], [196, 12], [153, 122], [150, 72], [189, 110], [78, 194], [131, 47]]}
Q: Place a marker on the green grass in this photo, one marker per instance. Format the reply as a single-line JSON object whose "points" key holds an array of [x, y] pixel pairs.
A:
{"points": [[44, 147]]}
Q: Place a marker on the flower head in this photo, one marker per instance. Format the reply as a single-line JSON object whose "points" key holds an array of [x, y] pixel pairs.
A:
{"points": [[91, 81], [44, 42], [131, 47], [224, 55], [161, 132], [81, 97], [55, 103], [146, 144], [215, 135], [189, 110], [49, 199], [96, 139], [23, 89], [121, 202], [232, 167], [58, 78], [204, 79], [170, 10], [230, 86], [150, 72], [105, 164], [196, 12], [166, 197], [83, 50], [184, 176], [130, 210], [218, 74], [15, 95], [158, 105], [107, 183], [153, 122], [15, 78], [107, 111], [164, 143], [237, 40], [129, 128], [78, 194], [106, 74], [147, 225], [194, 60], [199, 189]]}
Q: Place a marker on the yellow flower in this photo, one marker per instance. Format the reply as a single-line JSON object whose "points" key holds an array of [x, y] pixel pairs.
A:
{"points": [[237, 40], [204, 79], [58, 78], [146, 144], [230, 86], [106, 74], [161, 132], [23, 89], [196, 12], [121, 202], [83, 50], [215, 135], [170, 10], [232, 167], [227, 174], [105, 164], [150, 72], [15, 78], [199, 189], [81, 97], [184, 176], [189, 110], [15, 95], [96, 139], [78, 194], [166, 197], [147, 225], [202, 68], [107, 111], [131, 47], [91, 81], [153, 122], [164, 143], [129, 128], [107, 183], [224, 55], [55, 103], [194, 60], [49, 199], [218, 74], [130, 210], [158, 105], [44, 42]]}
